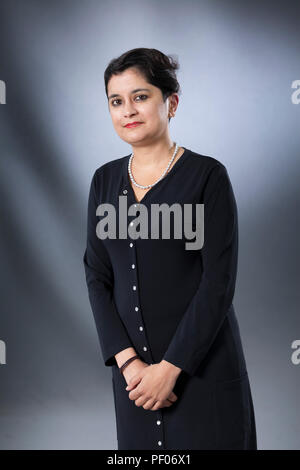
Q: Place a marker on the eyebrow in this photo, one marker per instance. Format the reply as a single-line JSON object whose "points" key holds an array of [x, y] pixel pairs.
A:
{"points": [[133, 91]]}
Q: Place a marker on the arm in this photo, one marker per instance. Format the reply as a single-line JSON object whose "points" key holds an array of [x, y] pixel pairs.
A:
{"points": [[122, 356], [208, 308], [111, 330]]}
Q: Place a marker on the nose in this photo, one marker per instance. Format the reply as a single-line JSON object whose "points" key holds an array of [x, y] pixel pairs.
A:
{"points": [[129, 109]]}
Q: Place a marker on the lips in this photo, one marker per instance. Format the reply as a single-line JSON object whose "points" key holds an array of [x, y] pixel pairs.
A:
{"points": [[133, 124]]}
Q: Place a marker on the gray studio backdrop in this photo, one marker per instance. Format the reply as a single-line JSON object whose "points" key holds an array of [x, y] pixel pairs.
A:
{"points": [[238, 62]]}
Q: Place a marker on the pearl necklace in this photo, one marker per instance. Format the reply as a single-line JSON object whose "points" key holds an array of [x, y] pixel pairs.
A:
{"points": [[150, 185]]}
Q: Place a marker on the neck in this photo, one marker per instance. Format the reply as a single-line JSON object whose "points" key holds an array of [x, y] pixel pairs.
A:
{"points": [[153, 156]]}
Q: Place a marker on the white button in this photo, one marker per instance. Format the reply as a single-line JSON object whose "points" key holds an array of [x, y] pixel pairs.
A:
{"points": [[133, 266], [125, 191], [158, 422], [141, 328], [131, 223], [144, 348], [135, 205], [131, 245], [136, 309], [134, 287], [159, 443]]}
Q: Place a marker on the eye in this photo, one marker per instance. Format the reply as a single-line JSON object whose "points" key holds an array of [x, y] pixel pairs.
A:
{"points": [[145, 96], [142, 95]]}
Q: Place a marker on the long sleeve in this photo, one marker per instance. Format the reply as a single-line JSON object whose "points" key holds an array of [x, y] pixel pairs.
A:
{"points": [[208, 308], [111, 330]]}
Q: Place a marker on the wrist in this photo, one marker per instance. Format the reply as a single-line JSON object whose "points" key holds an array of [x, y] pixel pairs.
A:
{"points": [[131, 369], [122, 356], [170, 368], [128, 362]]}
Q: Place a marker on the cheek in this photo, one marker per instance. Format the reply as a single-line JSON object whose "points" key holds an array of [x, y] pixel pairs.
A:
{"points": [[117, 119], [154, 115], [161, 113]]}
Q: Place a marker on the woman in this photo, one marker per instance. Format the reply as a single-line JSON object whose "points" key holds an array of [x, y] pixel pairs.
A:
{"points": [[164, 313]]}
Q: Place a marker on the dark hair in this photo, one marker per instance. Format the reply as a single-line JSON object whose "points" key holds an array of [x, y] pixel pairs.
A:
{"points": [[157, 68]]}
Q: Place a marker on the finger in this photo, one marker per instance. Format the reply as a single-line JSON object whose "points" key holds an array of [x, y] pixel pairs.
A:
{"points": [[135, 395], [141, 400], [149, 404], [162, 404], [133, 382], [172, 397], [167, 403], [157, 405]]}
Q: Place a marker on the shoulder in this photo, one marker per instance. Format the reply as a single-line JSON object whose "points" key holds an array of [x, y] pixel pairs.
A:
{"points": [[205, 163], [111, 167], [108, 173], [207, 169], [211, 174]]}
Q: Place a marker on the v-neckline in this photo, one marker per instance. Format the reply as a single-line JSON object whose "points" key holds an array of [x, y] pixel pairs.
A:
{"points": [[173, 169]]}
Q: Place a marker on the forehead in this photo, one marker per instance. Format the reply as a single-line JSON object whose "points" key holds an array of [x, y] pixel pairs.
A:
{"points": [[127, 81]]}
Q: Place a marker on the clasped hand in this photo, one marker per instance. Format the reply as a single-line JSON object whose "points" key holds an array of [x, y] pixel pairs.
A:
{"points": [[152, 387]]}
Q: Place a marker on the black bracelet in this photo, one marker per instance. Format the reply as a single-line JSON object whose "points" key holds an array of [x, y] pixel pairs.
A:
{"points": [[127, 362]]}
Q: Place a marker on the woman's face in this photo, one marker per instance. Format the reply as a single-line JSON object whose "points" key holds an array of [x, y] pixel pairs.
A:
{"points": [[146, 106]]}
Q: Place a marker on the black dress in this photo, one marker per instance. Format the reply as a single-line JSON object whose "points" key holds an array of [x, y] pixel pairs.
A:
{"points": [[174, 304]]}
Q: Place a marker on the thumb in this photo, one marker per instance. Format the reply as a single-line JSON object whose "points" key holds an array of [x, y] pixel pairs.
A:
{"points": [[172, 396], [132, 382]]}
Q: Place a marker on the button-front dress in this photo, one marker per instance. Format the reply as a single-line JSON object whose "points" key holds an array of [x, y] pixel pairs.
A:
{"points": [[173, 303]]}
